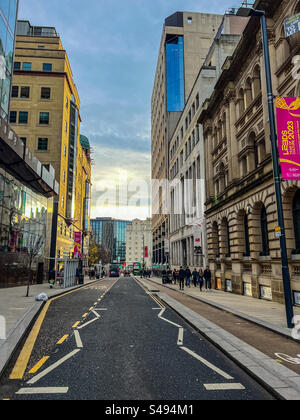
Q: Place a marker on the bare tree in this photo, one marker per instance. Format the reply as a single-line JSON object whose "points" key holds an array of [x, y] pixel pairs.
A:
{"points": [[36, 244]]}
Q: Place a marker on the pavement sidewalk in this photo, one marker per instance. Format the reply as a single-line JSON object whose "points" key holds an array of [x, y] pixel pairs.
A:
{"points": [[267, 314]]}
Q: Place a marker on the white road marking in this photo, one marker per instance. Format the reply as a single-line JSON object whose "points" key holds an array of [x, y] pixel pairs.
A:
{"points": [[78, 340], [164, 319], [224, 387], [156, 309], [100, 309], [180, 337], [208, 364], [51, 368], [88, 323], [96, 314], [30, 391]]}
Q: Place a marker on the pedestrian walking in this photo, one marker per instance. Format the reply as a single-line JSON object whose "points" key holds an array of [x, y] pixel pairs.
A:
{"points": [[77, 277], [195, 276], [181, 278], [174, 276], [201, 279], [188, 276], [207, 278]]}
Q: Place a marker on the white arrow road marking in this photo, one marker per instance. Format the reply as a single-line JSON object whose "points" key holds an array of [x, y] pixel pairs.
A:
{"points": [[51, 368], [30, 391], [208, 364], [224, 387]]}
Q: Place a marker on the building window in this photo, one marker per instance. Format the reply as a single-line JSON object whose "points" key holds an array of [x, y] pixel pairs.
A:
{"points": [[296, 218], [23, 117], [45, 93], [247, 240], [25, 92], [27, 66], [24, 140], [44, 118], [17, 65], [41, 47], [47, 67], [15, 92], [13, 117], [189, 20], [42, 143], [264, 232]]}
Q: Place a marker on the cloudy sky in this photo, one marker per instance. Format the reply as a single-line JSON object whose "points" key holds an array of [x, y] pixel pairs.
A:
{"points": [[112, 46]]}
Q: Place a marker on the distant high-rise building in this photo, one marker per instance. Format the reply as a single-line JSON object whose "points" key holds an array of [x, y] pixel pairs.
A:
{"points": [[111, 234], [185, 42]]}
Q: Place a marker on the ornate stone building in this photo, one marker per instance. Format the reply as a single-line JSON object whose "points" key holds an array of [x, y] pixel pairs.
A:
{"points": [[240, 207]]}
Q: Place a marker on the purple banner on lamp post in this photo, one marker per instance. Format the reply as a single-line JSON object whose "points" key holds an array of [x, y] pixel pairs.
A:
{"points": [[288, 130]]}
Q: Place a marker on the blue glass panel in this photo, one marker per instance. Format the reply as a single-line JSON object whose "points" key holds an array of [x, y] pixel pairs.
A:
{"points": [[9, 52], [12, 15], [4, 4], [175, 75], [3, 31]]}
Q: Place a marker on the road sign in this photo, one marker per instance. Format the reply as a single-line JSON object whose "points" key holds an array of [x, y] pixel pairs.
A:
{"points": [[292, 25]]}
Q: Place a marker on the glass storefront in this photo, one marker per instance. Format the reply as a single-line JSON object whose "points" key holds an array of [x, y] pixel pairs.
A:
{"points": [[23, 222], [8, 14]]}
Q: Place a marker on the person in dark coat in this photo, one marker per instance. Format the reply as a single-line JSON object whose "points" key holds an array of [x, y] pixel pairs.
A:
{"points": [[207, 278], [188, 276], [201, 279], [181, 278], [195, 277]]}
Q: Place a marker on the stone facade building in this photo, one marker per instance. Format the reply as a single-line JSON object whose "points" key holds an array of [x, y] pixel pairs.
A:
{"points": [[188, 245], [241, 213], [139, 242]]}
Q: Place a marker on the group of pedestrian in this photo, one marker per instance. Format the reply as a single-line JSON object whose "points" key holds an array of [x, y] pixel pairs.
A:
{"points": [[197, 278], [146, 274]]}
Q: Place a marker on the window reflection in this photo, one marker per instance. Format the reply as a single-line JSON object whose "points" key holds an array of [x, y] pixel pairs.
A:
{"points": [[22, 214]]}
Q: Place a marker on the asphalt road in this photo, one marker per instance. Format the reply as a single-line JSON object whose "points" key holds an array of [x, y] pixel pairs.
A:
{"points": [[112, 341]]}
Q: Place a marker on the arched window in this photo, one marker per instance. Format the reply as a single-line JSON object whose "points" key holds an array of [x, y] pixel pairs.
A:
{"points": [[248, 91], [241, 102], [246, 233], [264, 232], [296, 218], [256, 81], [215, 240]]}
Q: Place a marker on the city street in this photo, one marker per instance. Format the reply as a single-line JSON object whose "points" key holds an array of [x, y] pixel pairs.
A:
{"points": [[114, 341]]}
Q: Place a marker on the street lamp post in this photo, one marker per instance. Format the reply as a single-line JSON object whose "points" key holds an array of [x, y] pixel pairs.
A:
{"points": [[246, 12]]}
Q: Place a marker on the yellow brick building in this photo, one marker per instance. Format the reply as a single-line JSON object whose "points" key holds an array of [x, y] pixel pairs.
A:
{"points": [[45, 113]]}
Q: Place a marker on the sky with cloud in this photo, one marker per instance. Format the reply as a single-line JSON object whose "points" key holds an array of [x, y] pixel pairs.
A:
{"points": [[112, 46]]}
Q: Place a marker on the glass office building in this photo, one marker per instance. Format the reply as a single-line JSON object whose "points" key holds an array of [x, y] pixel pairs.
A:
{"points": [[175, 74], [8, 15], [111, 234], [25, 184]]}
